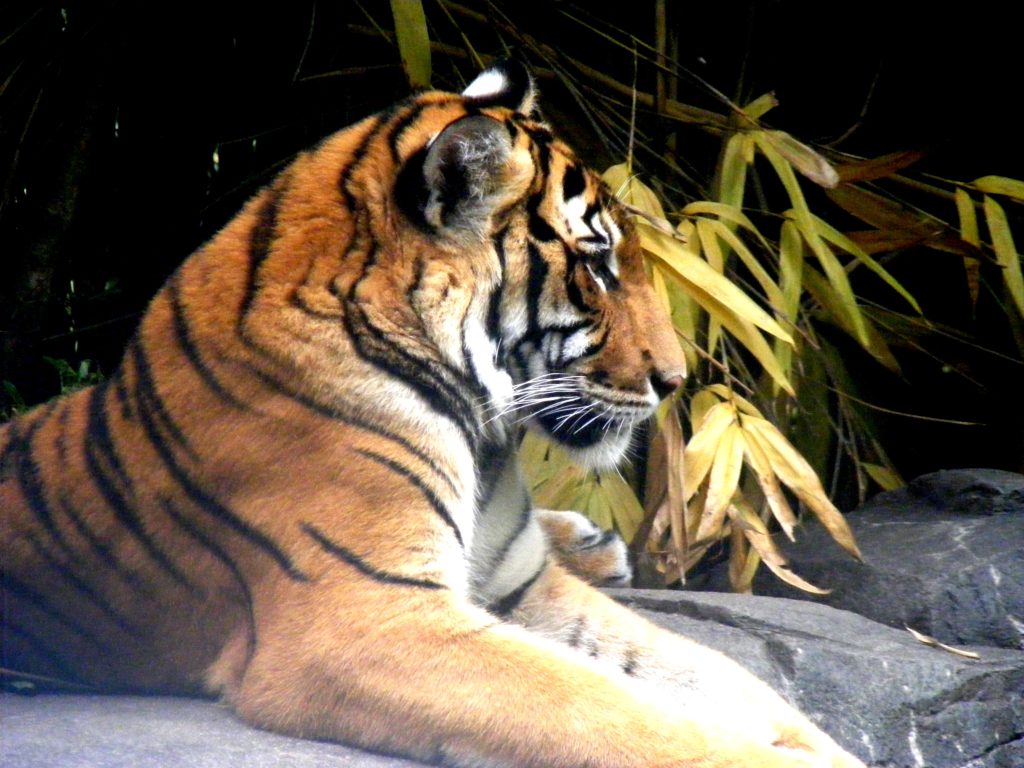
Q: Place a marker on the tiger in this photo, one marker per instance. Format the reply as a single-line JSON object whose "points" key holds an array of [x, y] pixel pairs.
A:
{"points": [[299, 492]]}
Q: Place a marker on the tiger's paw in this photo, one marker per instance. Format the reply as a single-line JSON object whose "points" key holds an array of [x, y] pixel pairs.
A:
{"points": [[596, 556]]}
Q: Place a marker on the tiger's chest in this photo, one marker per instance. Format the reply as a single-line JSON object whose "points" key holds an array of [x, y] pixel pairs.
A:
{"points": [[508, 545]]}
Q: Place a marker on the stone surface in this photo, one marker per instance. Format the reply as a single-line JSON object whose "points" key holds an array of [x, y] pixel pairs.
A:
{"points": [[944, 555], [884, 696]]}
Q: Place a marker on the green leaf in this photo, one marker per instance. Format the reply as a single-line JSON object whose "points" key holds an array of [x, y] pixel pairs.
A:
{"points": [[1000, 185], [413, 40], [732, 171], [1006, 251], [834, 236]]}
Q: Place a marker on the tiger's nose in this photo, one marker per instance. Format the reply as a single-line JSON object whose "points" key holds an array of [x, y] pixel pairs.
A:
{"points": [[664, 383]]}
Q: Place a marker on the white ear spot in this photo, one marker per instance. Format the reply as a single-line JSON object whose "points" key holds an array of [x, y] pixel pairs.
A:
{"points": [[489, 83]]}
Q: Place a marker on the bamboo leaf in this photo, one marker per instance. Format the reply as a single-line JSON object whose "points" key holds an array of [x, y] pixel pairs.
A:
{"points": [[760, 106], [702, 449], [732, 171], [1006, 251], [742, 404], [625, 509], [806, 161], [805, 222], [875, 345], [630, 190], [793, 470], [726, 212], [722, 483], [834, 236], [700, 405], [771, 290], [969, 233], [413, 40], [743, 562], [886, 477], [769, 483], [696, 272], [1000, 185], [877, 167]]}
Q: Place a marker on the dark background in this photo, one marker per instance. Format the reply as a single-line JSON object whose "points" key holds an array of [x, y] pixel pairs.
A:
{"points": [[131, 131]]}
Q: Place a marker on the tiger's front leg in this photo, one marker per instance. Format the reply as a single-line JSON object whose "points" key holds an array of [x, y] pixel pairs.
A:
{"points": [[696, 679], [420, 671]]}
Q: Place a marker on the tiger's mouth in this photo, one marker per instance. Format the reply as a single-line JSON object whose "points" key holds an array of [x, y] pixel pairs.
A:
{"points": [[593, 421], [581, 421]]}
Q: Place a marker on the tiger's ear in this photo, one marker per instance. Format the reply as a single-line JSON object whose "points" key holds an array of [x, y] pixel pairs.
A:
{"points": [[506, 83], [470, 169]]}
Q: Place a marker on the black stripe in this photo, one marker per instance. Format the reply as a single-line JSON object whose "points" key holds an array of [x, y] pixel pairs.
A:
{"points": [[210, 505], [573, 182], [100, 548], [218, 552], [511, 601], [429, 494], [149, 400], [534, 290], [28, 475], [99, 450], [121, 391], [361, 565], [430, 379], [27, 594], [598, 345], [188, 345], [538, 226], [80, 586], [525, 516], [260, 242], [38, 647]]}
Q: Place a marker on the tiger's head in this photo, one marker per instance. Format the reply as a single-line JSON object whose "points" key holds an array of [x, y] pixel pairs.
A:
{"points": [[562, 331]]}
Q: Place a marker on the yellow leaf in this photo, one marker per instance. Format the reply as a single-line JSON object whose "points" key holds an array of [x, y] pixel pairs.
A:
{"points": [[1000, 185], [771, 290], [770, 487], [625, 509], [702, 449], [722, 483], [793, 470], [413, 40], [732, 170], [725, 212], [742, 404], [872, 341], [887, 478], [806, 161], [804, 221], [837, 238], [760, 106], [713, 256], [1006, 251], [969, 234], [700, 404], [760, 543], [743, 562], [630, 190], [755, 532], [695, 271]]}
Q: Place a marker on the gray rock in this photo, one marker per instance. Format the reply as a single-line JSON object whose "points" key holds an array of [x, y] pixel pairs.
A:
{"points": [[944, 555], [61, 731], [887, 698], [884, 696]]}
